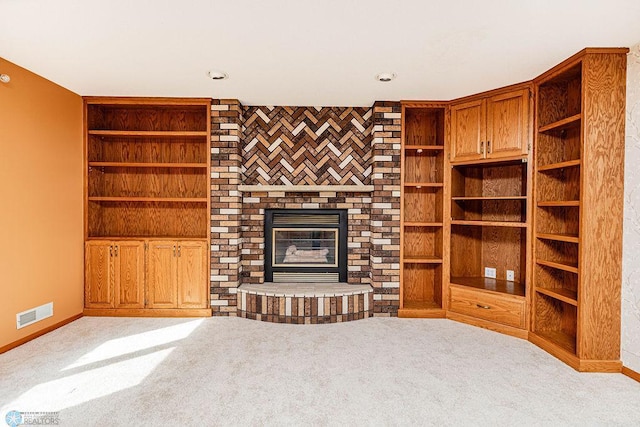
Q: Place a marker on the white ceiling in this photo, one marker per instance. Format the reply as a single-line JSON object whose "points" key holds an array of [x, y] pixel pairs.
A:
{"points": [[288, 52]]}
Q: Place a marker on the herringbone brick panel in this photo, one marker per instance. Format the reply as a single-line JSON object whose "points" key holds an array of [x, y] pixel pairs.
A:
{"points": [[306, 145]]}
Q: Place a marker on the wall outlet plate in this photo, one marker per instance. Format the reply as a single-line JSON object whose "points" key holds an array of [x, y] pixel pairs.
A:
{"points": [[490, 272], [511, 276]]}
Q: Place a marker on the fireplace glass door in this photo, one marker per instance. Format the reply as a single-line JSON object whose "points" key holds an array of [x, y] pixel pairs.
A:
{"points": [[305, 247]]}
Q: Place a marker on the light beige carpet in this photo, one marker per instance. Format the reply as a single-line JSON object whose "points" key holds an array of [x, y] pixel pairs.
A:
{"points": [[230, 371]]}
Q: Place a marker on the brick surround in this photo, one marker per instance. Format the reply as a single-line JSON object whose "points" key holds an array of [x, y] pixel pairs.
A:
{"points": [[347, 146], [385, 209]]}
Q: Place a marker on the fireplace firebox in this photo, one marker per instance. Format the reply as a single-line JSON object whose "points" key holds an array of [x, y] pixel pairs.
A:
{"points": [[305, 245]]}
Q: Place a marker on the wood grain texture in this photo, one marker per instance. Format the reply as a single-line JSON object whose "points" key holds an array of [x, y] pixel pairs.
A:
{"points": [[508, 122], [423, 167], [492, 307], [422, 242], [99, 275], [604, 85], [487, 324], [468, 130], [422, 285], [424, 126], [422, 205], [561, 281], [626, 371], [192, 277], [141, 117], [162, 274], [148, 219], [149, 150], [129, 274], [555, 322]]}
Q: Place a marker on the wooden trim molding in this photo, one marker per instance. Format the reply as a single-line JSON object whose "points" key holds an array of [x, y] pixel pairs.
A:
{"points": [[631, 373], [41, 332]]}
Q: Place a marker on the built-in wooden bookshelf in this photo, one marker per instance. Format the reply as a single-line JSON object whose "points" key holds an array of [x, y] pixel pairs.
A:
{"points": [[578, 209], [147, 188], [422, 210]]}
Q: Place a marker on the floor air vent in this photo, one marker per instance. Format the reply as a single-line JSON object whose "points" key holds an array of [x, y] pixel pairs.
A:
{"points": [[34, 315]]}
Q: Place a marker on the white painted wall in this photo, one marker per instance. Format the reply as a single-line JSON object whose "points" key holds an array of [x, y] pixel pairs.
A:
{"points": [[631, 239]]}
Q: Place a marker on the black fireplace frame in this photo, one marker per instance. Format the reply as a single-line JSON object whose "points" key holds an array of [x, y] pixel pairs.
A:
{"points": [[342, 228]]}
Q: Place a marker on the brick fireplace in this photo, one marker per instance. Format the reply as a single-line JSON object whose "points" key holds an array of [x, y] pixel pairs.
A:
{"points": [[305, 158]]}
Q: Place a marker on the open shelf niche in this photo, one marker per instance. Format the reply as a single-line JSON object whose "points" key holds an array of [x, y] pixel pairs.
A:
{"points": [[422, 210], [147, 167], [489, 225]]}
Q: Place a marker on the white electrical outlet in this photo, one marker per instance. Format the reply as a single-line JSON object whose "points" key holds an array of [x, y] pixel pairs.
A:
{"points": [[490, 272], [511, 276]]}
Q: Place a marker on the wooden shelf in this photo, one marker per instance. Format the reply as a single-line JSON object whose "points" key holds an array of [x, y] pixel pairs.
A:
{"points": [[488, 284], [562, 124], [472, 198], [149, 133], [426, 260], [422, 224], [149, 199], [569, 238], [422, 305], [423, 147], [502, 161], [489, 223], [565, 295], [148, 165], [424, 184], [560, 339], [561, 165], [558, 266], [559, 203]]}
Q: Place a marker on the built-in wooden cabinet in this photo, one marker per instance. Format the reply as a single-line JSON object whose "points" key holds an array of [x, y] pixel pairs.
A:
{"points": [[578, 215], [147, 180], [177, 270], [491, 127], [114, 274], [550, 224], [422, 210], [490, 230]]}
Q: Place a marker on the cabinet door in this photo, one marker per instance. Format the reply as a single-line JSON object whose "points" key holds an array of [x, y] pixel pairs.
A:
{"points": [[161, 283], [468, 130], [129, 274], [98, 281], [508, 124], [193, 289]]}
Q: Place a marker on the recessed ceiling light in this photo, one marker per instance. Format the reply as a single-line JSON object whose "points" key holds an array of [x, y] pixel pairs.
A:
{"points": [[217, 75], [385, 77], [4, 78]]}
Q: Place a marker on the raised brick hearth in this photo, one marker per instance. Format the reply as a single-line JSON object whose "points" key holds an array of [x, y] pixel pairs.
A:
{"points": [[299, 158]]}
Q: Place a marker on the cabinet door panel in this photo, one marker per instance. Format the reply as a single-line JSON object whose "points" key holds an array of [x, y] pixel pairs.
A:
{"points": [[467, 130], [98, 275], [129, 274], [508, 124], [161, 284], [192, 274]]}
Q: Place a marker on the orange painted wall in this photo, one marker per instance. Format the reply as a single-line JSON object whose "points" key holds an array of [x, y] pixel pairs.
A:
{"points": [[41, 205]]}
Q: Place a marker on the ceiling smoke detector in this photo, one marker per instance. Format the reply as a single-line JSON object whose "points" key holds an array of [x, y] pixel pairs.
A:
{"points": [[217, 75], [385, 77]]}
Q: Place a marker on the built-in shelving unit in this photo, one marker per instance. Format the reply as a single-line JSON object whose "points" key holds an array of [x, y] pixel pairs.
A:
{"points": [[489, 225], [422, 210], [147, 206], [147, 165], [579, 151]]}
